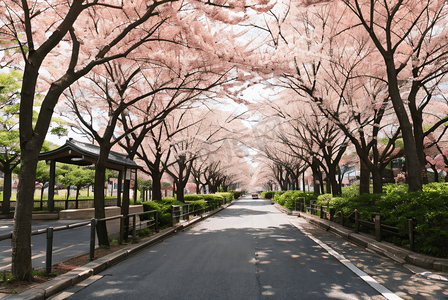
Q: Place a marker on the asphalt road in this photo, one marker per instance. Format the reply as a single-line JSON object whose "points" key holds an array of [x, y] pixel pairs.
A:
{"points": [[252, 251], [66, 243]]}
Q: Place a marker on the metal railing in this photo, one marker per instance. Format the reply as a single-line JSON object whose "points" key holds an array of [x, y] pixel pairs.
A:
{"points": [[184, 211], [380, 229], [93, 223], [147, 223]]}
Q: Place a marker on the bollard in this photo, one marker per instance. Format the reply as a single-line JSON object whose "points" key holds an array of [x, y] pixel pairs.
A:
{"points": [[92, 238], [49, 249], [356, 221]]}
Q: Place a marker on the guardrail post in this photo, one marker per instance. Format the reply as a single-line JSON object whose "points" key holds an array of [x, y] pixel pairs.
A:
{"points": [[411, 233], [378, 228], [172, 215], [341, 217], [332, 212], [49, 249], [92, 238], [321, 211], [356, 221], [121, 234], [134, 230], [188, 212], [157, 221]]}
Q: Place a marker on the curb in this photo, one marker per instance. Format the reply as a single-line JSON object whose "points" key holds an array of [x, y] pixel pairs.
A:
{"points": [[64, 281], [398, 254]]}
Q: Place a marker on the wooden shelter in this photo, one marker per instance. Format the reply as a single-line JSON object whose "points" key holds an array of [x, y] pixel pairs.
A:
{"points": [[83, 154]]}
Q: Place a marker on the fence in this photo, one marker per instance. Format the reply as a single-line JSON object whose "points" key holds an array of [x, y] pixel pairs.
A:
{"points": [[378, 228], [184, 211], [93, 223], [66, 204]]}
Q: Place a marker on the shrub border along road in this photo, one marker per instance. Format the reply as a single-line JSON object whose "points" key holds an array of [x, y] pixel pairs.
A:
{"points": [[398, 254]]}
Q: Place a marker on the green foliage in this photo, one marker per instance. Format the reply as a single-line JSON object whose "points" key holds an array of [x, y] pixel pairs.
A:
{"points": [[72, 175], [428, 208], [324, 197], [143, 184], [163, 208], [395, 187], [144, 232], [200, 202], [350, 191], [287, 198], [6, 277]]}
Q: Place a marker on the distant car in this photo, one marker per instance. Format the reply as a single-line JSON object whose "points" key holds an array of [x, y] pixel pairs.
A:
{"points": [[254, 196]]}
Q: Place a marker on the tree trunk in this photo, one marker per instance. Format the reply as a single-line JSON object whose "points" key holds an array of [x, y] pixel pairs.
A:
{"points": [[41, 206], [98, 198], [413, 166], [21, 235], [180, 187], [377, 181], [328, 185], [7, 186], [68, 196], [125, 208], [77, 196], [335, 187], [156, 185], [436, 175], [364, 179], [315, 170]]}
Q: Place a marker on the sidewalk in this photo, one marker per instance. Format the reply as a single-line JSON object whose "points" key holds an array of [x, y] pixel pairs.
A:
{"points": [[64, 281], [398, 254]]}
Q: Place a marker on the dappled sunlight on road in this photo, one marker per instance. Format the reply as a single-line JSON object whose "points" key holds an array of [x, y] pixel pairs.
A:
{"points": [[251, 251]]}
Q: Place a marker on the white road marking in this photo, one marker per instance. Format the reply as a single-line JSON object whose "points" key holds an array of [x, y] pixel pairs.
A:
{"points": [[38, 255], [364, 276]]}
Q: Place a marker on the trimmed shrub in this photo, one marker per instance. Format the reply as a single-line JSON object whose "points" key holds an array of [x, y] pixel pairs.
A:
{"points": [[163, 208], [268, 194]]}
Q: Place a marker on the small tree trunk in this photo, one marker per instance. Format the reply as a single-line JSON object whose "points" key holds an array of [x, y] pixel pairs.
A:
{"points": [[364, 179], [377, 181], [77, 196], [68, 195], [156, 186], [125, 208], [41, 206], [100, 212], [7, 186]]}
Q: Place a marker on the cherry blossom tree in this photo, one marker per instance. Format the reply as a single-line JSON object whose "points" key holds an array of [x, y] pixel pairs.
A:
{"points": [[60, 42], [411, 38]]}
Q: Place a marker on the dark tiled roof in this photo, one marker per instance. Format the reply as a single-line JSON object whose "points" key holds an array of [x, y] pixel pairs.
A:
{"points": [[79, 153]]}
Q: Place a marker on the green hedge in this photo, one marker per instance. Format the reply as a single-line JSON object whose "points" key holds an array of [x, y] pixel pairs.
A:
{"points": [[428, 208], [163, 206], [286, 198]]}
